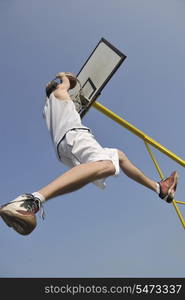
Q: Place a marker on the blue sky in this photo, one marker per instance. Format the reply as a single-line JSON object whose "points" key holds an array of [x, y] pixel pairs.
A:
{"points": [[125, 230]]}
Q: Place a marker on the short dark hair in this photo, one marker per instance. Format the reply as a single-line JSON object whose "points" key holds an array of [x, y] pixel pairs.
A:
{"points": [[52, 86]]}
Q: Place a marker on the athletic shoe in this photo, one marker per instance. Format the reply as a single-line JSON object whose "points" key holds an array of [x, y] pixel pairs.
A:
{"points": [[168, 187], [20, 213]]}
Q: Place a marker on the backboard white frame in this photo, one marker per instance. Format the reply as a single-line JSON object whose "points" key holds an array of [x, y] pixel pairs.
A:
{"points": [[91, 84]]}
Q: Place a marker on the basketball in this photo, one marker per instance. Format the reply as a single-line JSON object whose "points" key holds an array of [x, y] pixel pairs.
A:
{"points": [[72, 79]]}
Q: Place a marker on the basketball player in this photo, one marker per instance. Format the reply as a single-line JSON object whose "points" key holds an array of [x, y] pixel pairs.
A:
{"points": [[77, 148]]}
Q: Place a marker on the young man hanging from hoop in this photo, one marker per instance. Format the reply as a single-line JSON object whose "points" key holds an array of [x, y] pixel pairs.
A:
{"points": [[77, 148]]}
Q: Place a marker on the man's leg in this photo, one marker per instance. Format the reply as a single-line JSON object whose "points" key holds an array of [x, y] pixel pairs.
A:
{"points": [[77, 177], [165, 188], [134, 173], [20, 213]]}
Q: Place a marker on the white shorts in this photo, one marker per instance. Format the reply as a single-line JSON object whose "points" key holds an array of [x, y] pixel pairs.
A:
{"points": [[79, 146]]}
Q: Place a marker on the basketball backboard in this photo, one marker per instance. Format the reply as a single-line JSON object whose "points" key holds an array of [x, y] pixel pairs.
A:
{"points": [[95, 74]]}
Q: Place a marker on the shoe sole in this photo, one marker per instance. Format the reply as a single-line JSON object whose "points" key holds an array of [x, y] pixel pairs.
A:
{"points": [[19, 225], [172, 189]]}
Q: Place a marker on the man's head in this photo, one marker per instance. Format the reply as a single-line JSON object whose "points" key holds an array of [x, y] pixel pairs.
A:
{"points": [[51, 86], [60, 77]]}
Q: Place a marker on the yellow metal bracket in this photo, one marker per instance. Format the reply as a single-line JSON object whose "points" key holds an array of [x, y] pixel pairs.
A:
{"points": [[147, 140]]}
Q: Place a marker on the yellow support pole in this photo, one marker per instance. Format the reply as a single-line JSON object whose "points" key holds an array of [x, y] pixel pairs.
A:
{"points": [[137, 132], [180, 202], [147, 140], [154, 160], [162, 176], [178, 212]]}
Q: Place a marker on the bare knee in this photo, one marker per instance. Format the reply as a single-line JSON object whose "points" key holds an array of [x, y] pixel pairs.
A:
{"points": [[107, 168], [122, 157]]}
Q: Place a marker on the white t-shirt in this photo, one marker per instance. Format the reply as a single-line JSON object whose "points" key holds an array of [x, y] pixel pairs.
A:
{"points": [[60, 116]]}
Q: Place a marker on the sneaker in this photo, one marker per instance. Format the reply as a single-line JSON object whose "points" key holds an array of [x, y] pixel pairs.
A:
{"points": [[20, 213], [168, 187]]}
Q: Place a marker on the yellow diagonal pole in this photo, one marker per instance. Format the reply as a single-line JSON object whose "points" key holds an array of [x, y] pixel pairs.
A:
{"points": [[178, 212], [154, 160], [162, 176], [137, 132], [147, 140]]}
